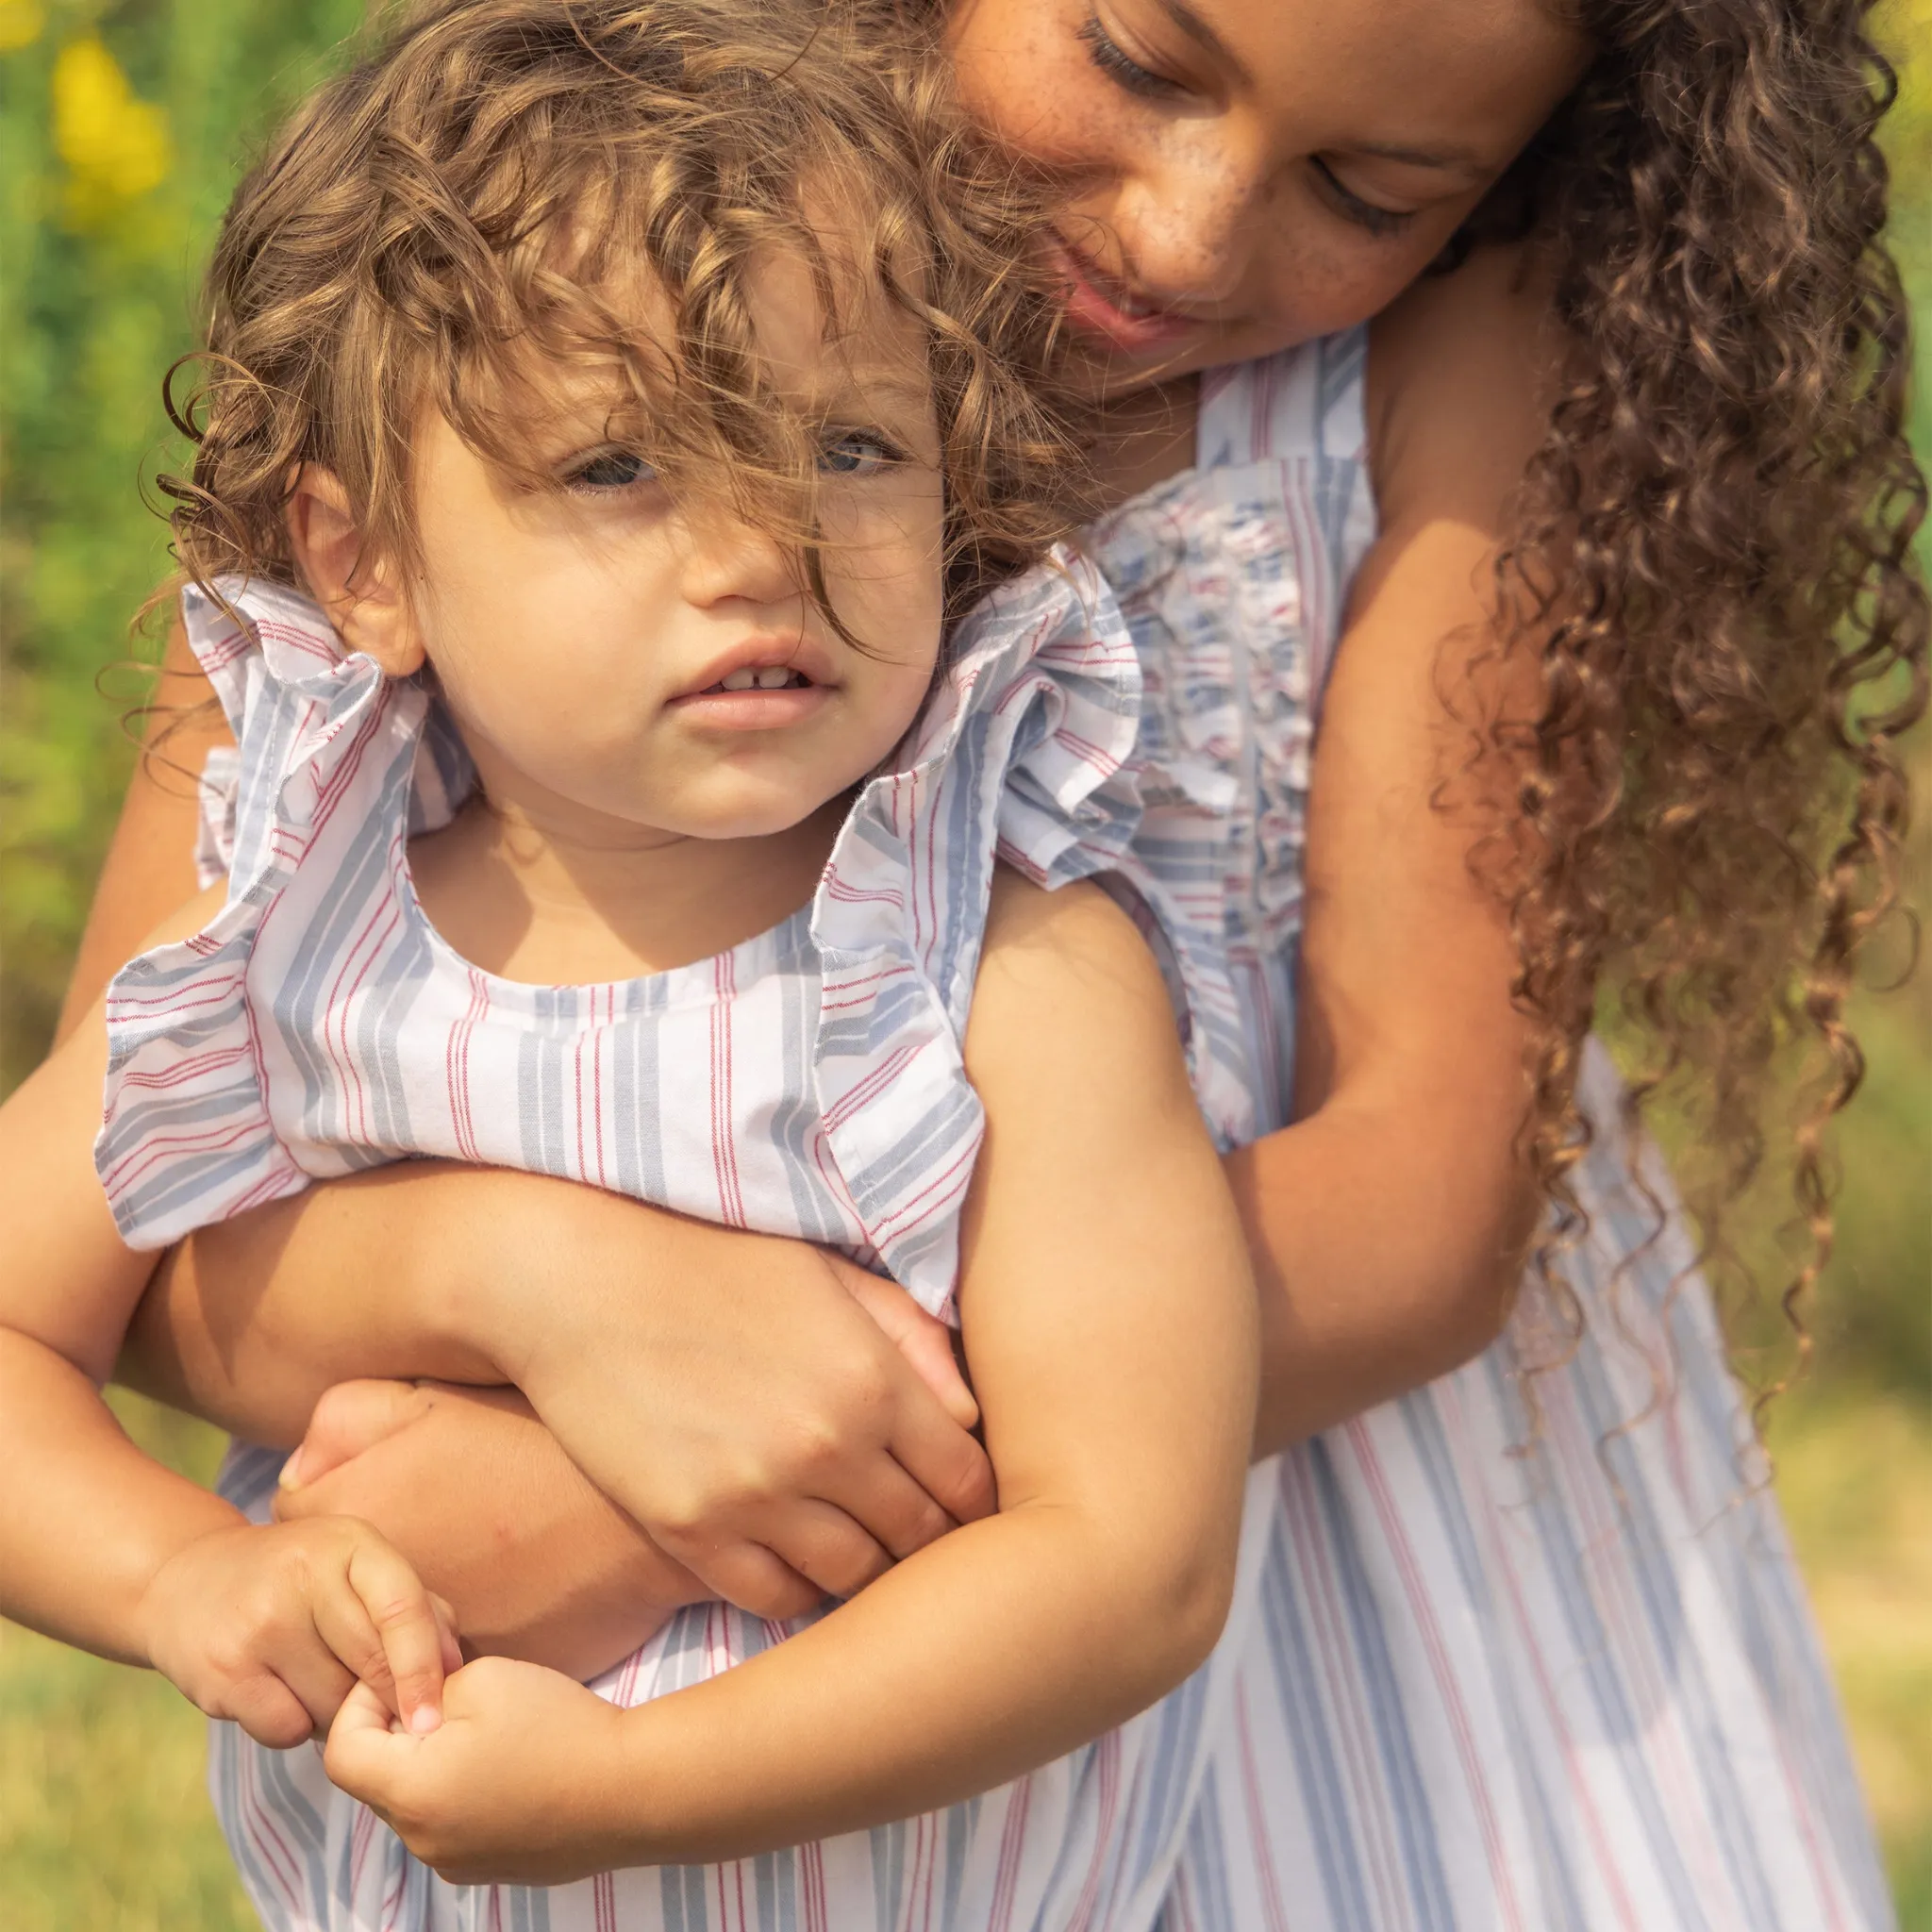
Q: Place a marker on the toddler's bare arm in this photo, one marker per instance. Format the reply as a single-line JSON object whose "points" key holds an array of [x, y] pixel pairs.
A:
{"points": [[103, 1547]]}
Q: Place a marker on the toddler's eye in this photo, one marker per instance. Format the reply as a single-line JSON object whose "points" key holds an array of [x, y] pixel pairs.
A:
{"points": [[610, 469], [857, 453]]}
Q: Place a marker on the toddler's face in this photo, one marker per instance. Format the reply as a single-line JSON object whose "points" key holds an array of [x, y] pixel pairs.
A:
{"points": [[613, 657]]}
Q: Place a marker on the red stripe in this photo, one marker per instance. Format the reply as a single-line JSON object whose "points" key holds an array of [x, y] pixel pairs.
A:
{"points": [[1254, 1802], [1341, 1672], [189, 1069], [881, 1077], [1012, 1840], [964, 1159], [1437, 1652]]}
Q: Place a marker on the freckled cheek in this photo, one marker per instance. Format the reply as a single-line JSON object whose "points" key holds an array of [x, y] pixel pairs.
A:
{"points": [[1307, 287]]}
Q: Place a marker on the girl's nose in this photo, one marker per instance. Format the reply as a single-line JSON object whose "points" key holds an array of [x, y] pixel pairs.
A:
{"points": [[1187, 218]]}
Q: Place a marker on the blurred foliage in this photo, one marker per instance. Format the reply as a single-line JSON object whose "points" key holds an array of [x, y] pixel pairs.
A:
{"points": [[123, 126]]}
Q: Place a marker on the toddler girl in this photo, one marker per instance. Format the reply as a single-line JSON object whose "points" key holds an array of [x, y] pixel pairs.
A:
{"points": [[613, 436]]}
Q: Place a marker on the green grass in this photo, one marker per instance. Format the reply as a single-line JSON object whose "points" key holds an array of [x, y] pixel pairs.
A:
{"points": [[105, 1824]]}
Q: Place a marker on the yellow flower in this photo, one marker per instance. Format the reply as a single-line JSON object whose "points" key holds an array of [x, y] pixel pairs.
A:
{"points": [[21, 21], [116, 147]]}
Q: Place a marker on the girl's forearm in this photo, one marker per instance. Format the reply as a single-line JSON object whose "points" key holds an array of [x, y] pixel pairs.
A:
{"points": [[249, 1321], [1386, 1246], [86, 1518], [1001, 1647]]}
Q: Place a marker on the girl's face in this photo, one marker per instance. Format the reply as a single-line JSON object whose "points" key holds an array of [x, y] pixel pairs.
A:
{"points": [[1244, 174], [616, 660]]}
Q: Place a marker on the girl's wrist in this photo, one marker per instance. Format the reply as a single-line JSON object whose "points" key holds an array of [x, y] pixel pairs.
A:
{"points": [[483, 1267], [525, 1247]]}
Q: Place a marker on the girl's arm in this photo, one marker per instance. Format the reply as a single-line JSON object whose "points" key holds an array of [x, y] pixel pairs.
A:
{"points": [[1389, 1225], [1110, 1319], [103, 1547], [149, 871]]}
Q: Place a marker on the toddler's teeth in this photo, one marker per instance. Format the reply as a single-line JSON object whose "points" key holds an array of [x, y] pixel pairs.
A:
{"points": [[776, 678], [739, 681]]}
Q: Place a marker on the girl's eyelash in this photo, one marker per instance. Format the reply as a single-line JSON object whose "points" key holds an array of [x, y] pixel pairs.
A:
{"points": [[882, 446], [1364, 214], [580, 474], [1119, 66]]}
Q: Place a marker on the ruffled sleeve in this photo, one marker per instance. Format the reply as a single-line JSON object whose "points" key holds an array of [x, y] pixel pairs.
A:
{"points": [[187, 1137], [1023, 754]]}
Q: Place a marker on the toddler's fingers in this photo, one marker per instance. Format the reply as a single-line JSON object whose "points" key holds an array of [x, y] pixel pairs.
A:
{"points": [[350, 1418], [451, 1632], [926, 1343], [408, 1637], [376, 1616], [362, 1754]]}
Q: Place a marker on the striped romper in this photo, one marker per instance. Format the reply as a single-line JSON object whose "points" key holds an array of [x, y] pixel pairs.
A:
{"points": [[1484, 1672]]}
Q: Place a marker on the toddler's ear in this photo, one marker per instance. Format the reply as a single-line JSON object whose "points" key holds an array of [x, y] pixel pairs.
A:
{"points": [[362, 595]]}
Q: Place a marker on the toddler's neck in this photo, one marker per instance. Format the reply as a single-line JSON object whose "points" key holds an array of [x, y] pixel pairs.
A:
{"points": [[527, 903]]}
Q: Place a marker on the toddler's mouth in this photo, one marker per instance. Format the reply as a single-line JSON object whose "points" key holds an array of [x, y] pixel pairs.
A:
{"points": [[771, 677]]}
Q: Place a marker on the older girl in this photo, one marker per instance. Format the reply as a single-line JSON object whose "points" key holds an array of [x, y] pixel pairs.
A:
{"points": [[1532, 1649]]}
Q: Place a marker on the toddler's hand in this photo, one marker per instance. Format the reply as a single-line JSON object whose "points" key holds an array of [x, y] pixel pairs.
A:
{"points": [[273, 1626], [522, 1784]]}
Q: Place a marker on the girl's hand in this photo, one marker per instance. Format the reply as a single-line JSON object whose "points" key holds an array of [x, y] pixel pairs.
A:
{"points": [[740, 1397], [522, 1784], [475, 1490], [275, 1626]]}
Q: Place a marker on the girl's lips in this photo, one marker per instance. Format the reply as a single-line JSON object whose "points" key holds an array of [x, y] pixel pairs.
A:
{"points": [[752, 710], [1098, 308]]}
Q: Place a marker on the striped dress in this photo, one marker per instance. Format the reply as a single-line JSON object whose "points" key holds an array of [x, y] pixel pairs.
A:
{"points": [[1507, 1674]]}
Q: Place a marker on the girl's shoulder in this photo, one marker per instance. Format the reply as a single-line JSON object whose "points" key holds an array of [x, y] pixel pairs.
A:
{"points": [[1461, 373]]}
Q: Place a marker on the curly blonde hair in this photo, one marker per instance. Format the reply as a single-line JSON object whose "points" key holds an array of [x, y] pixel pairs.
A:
{"points": [[476, 187], [1716, 537]]}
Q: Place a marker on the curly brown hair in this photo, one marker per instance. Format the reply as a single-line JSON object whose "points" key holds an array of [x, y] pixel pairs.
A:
{"points": [[1713, 557], [484, 185]]}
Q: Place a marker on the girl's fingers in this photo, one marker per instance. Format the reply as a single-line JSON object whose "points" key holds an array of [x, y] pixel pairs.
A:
{"points": [[926, 1343], [893, 1508], [746, 1575], [450, 1632], [407, 1628], [822, 1543], [350, 1418], [943, 1460]]}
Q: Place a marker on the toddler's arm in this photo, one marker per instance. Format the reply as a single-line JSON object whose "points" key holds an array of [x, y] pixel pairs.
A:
{"points": [[103, 1547], [1109, 1320]]}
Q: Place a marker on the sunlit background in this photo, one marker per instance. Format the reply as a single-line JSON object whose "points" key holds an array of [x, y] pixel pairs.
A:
{"points": [[122, 130]]}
